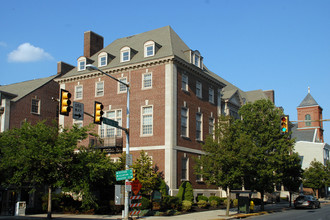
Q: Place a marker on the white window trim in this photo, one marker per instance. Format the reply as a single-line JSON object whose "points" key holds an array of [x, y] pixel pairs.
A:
{"points": [[39, 103], [211, 101], [96, 83], [201, 128], [148, 44], [187, 125], [82, 59], [75, 92], [186, 83], [120, 84], [211, 124], [152, 118], [187, 168], [116, 130], [201, 89], [124, 50], [143, 85], [78, 122], [101, 55]]}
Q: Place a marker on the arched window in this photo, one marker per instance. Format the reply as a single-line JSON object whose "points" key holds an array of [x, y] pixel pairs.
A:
{"points": [[308, 120], [149, 49], [125, 54], [81, 63], [103, 59]]}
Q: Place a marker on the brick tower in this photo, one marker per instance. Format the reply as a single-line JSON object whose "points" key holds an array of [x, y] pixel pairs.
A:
{"points": [[309, 116]]}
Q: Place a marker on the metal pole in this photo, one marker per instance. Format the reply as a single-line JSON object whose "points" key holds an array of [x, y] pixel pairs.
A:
{"points": [[127, 152]]}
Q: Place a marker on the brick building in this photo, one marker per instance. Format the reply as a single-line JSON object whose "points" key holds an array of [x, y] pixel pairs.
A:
{"points": [[174, 99]]}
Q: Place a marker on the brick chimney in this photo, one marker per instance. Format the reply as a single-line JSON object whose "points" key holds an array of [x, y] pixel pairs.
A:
{"points": [[63, 68], [92, 43]]}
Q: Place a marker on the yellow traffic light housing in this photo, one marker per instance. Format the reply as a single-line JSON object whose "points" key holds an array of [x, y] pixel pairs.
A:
{"points": [[98, 107], [284, 124], [65, 102], [134, 175]]}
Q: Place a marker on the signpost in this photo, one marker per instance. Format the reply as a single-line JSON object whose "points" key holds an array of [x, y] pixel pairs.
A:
{"points": [[124, 174]]}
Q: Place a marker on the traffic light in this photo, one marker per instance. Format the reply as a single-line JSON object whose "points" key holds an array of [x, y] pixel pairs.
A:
{"points": [[65, 102], [284, 124], [98, 112], [134, 175]]}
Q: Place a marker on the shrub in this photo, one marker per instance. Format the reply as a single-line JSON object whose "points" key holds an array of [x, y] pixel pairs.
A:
{"points": [[186, 205], [214, 203], [235, 202], [186, 192], [225, 202], [202, 204], [201, 197], [216, 198], [146, 204], [170, 202]]}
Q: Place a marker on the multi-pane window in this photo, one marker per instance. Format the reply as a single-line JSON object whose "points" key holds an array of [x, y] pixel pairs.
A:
{"points": [[199, 89], [211, 126], [147, 80], [199, 126], [184, 82], [109, 131], [149, 49], [147, 120], [99, 89], [78, 92], [196, 60], [35, 106], [103, 60], [211, 95], [125, 54], [81, 64], [121, 87], [308, 120], [184, 122], [184, 168]]}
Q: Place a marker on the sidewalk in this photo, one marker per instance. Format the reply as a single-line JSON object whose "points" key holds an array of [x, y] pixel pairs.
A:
{"points": [[206, 215]]}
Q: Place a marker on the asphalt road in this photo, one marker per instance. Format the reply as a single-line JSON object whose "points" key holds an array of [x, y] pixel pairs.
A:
{"points": [[298, 214]]}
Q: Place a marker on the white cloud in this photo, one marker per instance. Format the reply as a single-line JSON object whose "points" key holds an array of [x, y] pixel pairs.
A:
{"points": [[3, 44], [28, 53]]}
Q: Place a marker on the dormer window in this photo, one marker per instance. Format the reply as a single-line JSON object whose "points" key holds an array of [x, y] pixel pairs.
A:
{"points": [[125, 54], [197, 59], [103, 59], [149, 49], [81, 63]]}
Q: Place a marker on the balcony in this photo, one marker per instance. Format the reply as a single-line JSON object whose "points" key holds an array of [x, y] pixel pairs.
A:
{"points": [[110, 145]]}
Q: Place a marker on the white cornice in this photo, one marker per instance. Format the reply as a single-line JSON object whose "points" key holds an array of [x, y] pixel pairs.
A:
{"points": [[87, 75]]}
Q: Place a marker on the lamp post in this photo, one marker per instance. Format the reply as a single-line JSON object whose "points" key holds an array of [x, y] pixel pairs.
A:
{"points": [[92, 67]]}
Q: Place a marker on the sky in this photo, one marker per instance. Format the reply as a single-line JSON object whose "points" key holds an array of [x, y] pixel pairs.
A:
{"points": [[280, 45]]}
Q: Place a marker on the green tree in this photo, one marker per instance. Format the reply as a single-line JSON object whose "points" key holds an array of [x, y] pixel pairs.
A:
{"points": [[38, 155], [145, 173], [261, 123], [315, 176], [186, 192], [226, 156], [90, 171], [292, 174]]}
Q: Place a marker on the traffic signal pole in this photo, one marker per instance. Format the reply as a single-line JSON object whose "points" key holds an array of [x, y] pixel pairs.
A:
{"points": [[126, 204]]}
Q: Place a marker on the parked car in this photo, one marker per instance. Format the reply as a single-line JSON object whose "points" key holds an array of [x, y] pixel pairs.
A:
{"points": [[307, 201]]}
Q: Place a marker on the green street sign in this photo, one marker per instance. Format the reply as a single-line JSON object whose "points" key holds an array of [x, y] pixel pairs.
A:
{"points": [[110, 122], [124, 174]]}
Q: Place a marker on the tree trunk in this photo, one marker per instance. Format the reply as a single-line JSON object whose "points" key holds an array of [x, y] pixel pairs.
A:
{"points": [[49, 212], [228, 201], [262, 201], [290, 198]]}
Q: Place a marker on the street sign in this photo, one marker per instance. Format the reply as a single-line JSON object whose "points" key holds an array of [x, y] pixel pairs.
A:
{"points": [[78, 111], [110, 122], [119, 195], [129, 159], [124, 174], [136, 186]]}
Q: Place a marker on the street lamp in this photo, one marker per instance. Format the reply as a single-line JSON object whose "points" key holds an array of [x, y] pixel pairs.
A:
{"points": [[92, 67]]}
